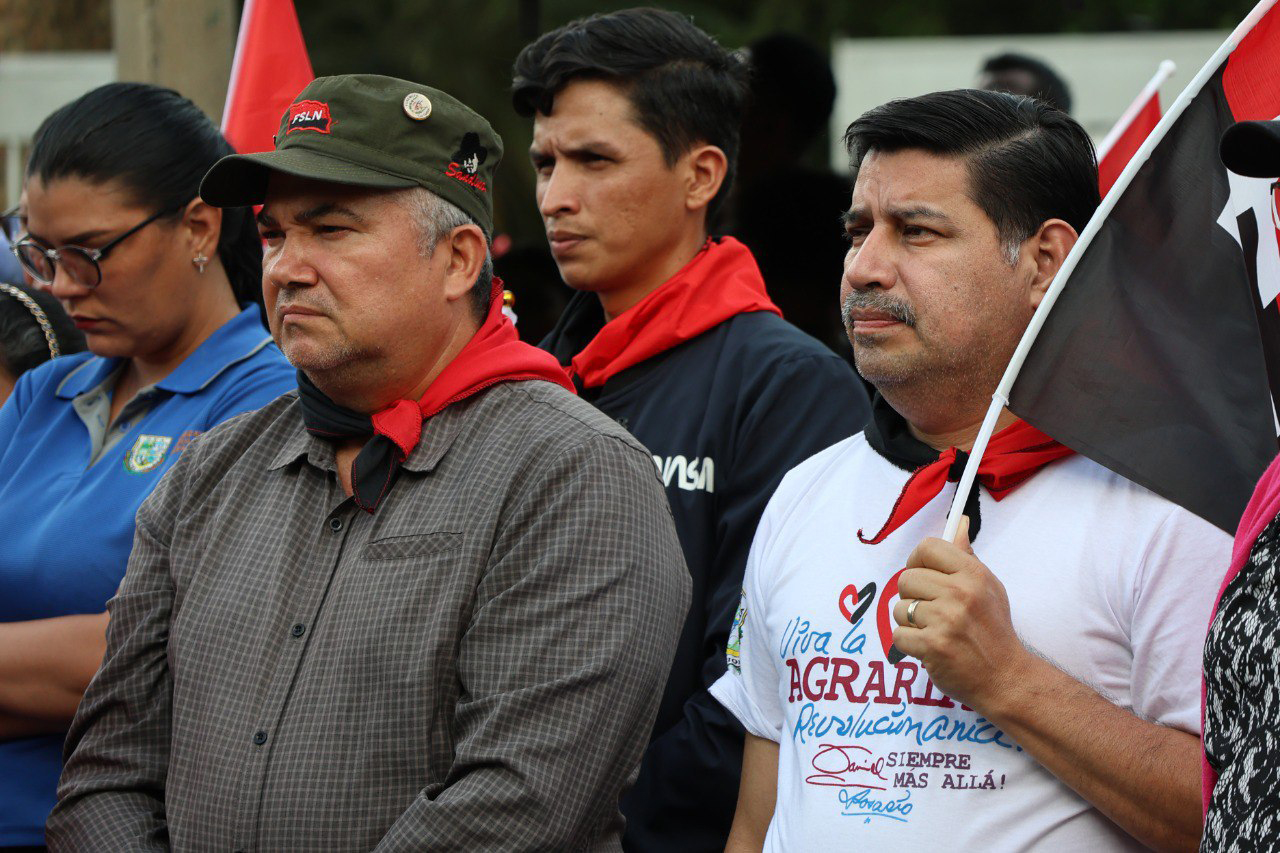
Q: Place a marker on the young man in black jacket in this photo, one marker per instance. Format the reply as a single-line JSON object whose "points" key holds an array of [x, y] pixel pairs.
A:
{"points": [[672, 334]]}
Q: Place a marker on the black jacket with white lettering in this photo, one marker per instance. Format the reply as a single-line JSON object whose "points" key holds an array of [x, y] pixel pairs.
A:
{"points": [[725, 416]]}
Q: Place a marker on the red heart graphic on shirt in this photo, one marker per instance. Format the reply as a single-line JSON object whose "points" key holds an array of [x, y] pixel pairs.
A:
{"points": [[854, 602]]}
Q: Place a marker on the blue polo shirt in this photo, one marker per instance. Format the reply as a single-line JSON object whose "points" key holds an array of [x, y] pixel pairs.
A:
{"points": [[68, 518]]}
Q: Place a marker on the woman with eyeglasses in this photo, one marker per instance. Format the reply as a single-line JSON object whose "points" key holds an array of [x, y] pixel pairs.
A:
{"points": [[167, 292]]}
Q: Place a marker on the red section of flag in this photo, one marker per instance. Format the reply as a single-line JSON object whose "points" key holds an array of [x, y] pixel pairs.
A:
{"points": [[1251, 79], [270, 68], [1128, 142]]}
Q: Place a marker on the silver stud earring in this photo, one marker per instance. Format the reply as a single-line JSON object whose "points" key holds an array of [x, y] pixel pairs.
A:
{"points": [[200, 260]]}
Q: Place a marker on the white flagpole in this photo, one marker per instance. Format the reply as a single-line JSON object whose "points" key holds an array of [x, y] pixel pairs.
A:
{"points": [[1163, 73], [1000, 398]]}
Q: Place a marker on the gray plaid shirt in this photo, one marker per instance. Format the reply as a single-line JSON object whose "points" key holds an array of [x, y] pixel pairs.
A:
{"points": [[475, 666]]}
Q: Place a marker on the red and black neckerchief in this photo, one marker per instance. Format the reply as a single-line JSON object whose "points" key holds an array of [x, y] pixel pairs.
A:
{"points": [[494, 354], [1013, 455]]}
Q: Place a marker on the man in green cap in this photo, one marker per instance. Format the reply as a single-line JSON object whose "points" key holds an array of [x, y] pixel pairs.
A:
{"points": [[429, 601]]}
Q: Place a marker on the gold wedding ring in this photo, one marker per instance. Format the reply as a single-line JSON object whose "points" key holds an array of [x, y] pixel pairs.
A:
{"points": [[911, 611]]}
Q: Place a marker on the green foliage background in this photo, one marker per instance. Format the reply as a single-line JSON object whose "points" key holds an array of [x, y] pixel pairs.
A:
{"points": [[466, 47]]}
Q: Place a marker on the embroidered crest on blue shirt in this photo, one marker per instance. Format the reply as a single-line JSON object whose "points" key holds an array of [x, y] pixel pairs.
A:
{"points": [[147, 453]]}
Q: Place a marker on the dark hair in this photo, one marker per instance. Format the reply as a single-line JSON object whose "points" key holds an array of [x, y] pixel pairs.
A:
{"points": [[1048, 85], [1028, 162], [158, 145], [685, 88], [23, 344], [792, 77]]}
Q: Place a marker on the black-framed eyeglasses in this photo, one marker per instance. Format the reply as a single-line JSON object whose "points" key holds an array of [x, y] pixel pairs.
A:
{"points": [[11, 223], [80, 263]]}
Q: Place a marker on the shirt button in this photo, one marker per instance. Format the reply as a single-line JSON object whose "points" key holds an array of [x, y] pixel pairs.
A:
{"points": [[259, 738], [298, 630], [335, 524]]}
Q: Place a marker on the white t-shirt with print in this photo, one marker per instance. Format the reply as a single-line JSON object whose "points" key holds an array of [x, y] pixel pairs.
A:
{"points": [[1106, 580]]}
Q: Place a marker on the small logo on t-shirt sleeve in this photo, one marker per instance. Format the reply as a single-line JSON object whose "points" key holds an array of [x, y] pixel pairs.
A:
{"points": [[733, 653]]}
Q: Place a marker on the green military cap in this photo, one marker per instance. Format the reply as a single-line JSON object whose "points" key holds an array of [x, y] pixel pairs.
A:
{"points": [[371, 131]]}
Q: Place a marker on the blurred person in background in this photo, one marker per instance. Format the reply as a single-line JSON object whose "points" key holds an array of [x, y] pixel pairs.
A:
{"points": [[1241, 770], [540, 296], [166, 291], [33, 329], [10, 231], [671, 333], [1019, 74], [779, 207]]}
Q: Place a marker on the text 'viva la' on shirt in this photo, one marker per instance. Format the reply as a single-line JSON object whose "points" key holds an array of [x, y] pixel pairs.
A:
{"points": [[1106, 580]]}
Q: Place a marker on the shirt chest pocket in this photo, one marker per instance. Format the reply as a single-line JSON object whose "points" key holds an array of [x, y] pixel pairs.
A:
{"points": [[388, 630], [401, 594], [412, 546], [383, 649], [398, 581]]}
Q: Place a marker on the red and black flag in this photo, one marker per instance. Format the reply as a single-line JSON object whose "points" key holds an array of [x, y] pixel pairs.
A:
{"points": [[1161, 357]]}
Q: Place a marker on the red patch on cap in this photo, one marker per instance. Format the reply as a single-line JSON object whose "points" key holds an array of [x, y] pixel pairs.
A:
{"points": [[309, 115]]}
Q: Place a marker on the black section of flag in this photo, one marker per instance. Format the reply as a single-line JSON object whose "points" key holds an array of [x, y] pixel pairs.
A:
{"points": [[1268, 315], [1151, 362]]}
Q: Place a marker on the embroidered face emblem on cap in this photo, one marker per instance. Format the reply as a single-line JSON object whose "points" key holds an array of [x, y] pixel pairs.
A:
{"points": [[470, 154], [417, 106], [309, 115]]}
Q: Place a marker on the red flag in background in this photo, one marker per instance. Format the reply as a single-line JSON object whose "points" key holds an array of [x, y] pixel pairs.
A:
{"points": [[1131, 130], [270, 68]]}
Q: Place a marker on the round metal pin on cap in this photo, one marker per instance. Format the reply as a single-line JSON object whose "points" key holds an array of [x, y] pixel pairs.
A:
{"points": [[417, 106]]}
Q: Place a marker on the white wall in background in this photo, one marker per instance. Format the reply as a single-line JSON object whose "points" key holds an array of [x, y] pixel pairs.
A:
{"points": [[32, 85], [1104, 70]]}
